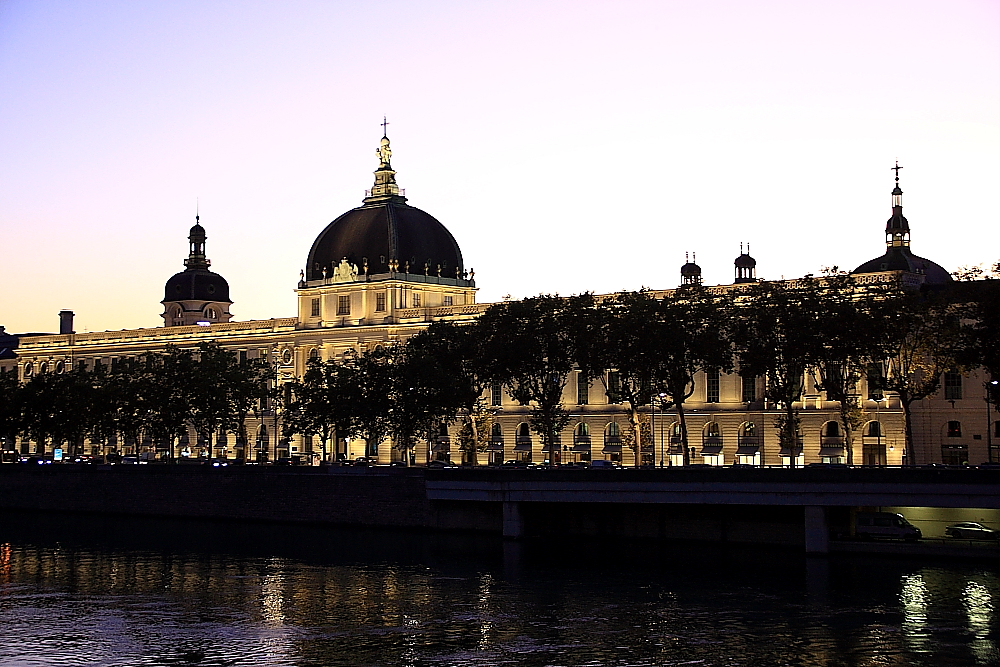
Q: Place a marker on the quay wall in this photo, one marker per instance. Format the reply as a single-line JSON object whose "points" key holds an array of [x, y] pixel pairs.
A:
{"points": [[376, 497]]}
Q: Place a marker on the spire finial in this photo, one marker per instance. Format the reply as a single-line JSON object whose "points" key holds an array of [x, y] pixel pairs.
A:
{"points": [[741, 247], [896, 169], [694, 257], [385, 123], [686, 257], [197, 210]]}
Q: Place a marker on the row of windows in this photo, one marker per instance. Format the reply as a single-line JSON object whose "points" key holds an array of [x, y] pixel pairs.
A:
{"points": [[344, 303]]}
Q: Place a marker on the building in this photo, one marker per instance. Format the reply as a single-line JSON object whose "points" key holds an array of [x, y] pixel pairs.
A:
{"points": [[381, 272]]}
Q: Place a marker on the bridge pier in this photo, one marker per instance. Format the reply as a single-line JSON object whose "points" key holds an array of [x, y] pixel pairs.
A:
{"points": [[817, 531], [513, 522]]}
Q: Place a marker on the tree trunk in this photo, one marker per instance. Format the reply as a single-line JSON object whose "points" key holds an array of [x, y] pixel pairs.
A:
{"points": [[845, 421], [633, 417], [684, 434], [907, 431], [474, 448]]}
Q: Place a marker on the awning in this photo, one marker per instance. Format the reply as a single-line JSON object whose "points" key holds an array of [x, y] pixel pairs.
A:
{"points": [[747, 450], [612, 449], [495, 446], [522, 447], [582, 447], [711, 450], [785, 451], [831, 451]]}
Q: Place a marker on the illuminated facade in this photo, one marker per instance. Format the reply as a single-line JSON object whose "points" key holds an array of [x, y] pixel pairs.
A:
{"points": [[381, 272]]}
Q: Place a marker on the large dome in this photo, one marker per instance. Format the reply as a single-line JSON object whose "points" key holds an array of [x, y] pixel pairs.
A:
{"points": [[901, 259], [382, 232], [898, 256]]}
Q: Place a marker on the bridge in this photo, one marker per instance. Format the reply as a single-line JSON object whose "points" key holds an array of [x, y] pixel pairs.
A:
{"points": [[823, 493]]}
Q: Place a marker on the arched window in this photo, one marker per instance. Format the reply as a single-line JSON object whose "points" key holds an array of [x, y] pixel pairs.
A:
{"points": [[28, 370], [873, 430], [313, 354], [443, 430], [523, 430], [582, 429], [831, 430], [954, 429], [749, 430], [210, 313], [44, 368], [712, 430], [497, 433], [612, 434]]}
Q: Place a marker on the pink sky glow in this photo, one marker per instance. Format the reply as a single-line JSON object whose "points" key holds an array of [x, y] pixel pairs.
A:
{"points": [[568, 146]]}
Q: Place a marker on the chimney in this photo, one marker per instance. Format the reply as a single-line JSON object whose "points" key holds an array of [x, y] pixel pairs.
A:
{"points": [[66, 322]]}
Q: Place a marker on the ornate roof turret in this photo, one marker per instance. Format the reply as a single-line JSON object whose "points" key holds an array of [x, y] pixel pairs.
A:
{"points": [[385, 236], [690, 272], [196, 294], [746, 266], [898, 256]]}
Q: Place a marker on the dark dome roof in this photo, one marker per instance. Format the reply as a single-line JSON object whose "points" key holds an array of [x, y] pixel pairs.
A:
{"points": [[384, 231], [899, 258], [196, 285], [745, 261], [690, 269]]}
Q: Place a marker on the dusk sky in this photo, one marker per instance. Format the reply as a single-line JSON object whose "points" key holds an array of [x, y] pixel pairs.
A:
{"points": [[568, 146]]}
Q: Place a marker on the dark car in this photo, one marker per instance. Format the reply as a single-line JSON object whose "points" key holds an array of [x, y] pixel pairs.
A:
{"points": [[969, 530]]}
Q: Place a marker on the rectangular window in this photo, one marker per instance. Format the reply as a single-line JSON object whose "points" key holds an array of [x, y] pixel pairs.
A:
{"points": [[243, 356], [952, 386], [954, 455], [496, 395], [582, 388], [449, 301], [749, 389], [954, 429], [315, 308], [875, 382], [380, 302], [712, 386], [343, 305], [416, 299], [614, 387]]}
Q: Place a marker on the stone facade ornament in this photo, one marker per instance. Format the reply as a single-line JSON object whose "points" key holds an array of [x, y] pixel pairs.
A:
{"points": [[345, 272]]}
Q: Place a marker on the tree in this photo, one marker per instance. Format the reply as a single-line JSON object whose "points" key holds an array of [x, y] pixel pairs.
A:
{"points": [[696, 339], [622, 349], [532, 346], [368, 380], [445, 375], [10, 408], [848, 346], [919, 338], [318, 402], [778, 332]]}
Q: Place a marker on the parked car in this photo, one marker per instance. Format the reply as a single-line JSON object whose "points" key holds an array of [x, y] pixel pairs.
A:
{"points": [[968, 530], [601, 463], [886, 525]]}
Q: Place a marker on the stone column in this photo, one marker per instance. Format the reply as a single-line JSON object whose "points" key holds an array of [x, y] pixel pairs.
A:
{"points": [[513, 523], [816, 530]]}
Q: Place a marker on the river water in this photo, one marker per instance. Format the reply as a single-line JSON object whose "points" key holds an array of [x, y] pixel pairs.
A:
{"points": [[112, 591]]}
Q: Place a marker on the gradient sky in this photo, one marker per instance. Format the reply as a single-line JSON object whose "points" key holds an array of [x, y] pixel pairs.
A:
{"points": [[568, 146]]}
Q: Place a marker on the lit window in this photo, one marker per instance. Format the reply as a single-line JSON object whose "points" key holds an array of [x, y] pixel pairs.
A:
{"points": [[749, 389], [416, 299], [315, 308], [449, 301], [582, 388], [380, 302], [343, 305], [954, 429], [496, 395], [210, 313], [712, 386], [953, 386], [614, 387]]}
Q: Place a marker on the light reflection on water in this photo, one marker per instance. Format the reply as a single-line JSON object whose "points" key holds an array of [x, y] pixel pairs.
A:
{"points": [[117, 592]]}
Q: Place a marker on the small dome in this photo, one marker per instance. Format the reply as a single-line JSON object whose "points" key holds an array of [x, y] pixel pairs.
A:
{"points": [[690, 269], [197, 285], [197, 233], [745, 261]]}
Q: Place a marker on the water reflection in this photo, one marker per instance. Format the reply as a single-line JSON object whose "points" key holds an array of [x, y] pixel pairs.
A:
{"points": [[162, 593], [914, 598]]}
